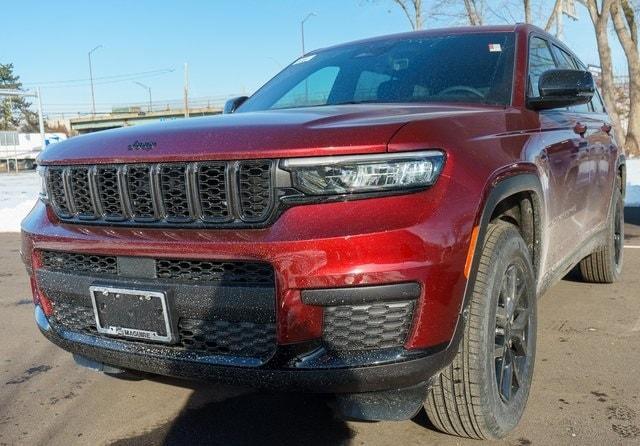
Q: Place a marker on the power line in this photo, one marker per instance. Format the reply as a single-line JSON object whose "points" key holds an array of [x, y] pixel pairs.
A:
{"points": [[104, 79]]}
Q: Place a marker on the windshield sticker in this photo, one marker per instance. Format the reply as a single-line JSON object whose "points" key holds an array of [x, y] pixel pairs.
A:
{"points": [[495, 48], [304, 59]]}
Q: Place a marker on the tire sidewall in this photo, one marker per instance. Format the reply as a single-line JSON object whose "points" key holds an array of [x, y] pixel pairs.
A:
{"points": [[504, 416], [617, 206]]}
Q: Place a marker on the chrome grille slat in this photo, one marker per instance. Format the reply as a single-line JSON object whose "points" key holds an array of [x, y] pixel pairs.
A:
{"points": [[202, 194]]}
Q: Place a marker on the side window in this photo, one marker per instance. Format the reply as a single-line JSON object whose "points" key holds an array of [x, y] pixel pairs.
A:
{"points": [[564, 59], [314, 90], [596, 102], [540, 60]]}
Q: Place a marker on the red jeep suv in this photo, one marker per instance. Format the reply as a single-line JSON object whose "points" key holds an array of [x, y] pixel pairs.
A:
{"points": [[376, 223]]}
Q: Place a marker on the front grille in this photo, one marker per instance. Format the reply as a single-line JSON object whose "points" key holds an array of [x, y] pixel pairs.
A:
{"points": [[247, 339], [232, 193], [221, 272], [365, 327], [83, 263]]}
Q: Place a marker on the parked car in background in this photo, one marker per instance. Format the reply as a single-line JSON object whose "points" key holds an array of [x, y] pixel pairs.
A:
{"points": [[376, 222]]}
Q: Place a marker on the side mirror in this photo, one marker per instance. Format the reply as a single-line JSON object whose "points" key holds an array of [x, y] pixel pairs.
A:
{"points": [[232, 104], [562, 88]]}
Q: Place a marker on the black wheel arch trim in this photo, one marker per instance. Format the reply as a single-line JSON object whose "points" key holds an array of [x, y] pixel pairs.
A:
{"points": [[497, 192]]}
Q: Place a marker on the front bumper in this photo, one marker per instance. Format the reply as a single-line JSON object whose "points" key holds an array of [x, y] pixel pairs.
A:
{"points": [[286, 371], [382, 241]]}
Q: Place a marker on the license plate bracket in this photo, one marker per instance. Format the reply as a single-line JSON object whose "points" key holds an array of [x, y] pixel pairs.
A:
{"points": [[131, 313]]}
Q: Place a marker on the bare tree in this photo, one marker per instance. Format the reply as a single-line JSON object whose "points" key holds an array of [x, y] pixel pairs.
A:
{"points": [[413, 10], [600, 18], [624, 23], [475, 18], [527, 11], [557, 9]]}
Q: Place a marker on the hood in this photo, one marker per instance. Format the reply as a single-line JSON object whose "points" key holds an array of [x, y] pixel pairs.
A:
{"points": [[313, 131]]}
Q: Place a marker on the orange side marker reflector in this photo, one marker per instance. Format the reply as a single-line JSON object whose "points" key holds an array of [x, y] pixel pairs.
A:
{"points": [[472, 249]]}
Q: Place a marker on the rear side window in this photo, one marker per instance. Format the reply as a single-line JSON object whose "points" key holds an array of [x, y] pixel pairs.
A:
{"points": [[540, 60]]}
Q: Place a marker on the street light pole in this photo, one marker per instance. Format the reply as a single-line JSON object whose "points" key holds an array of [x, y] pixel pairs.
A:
{"points": [[311, 14], [149, 90], [93, 98]]}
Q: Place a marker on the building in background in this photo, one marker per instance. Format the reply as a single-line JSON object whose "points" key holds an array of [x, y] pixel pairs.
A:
{"points": [[19, 150]]}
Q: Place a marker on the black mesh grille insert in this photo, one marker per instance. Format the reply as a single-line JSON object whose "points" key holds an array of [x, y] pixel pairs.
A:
{"points": [[212, 190], [139, 181], [256, 192], [245, 339], [174, 192], [55, 185], [208, 271], [109, 192], [86, 263], [203, 194], [240, 339], [74, 317], [227, 273], [364, 327], [81, 191]]}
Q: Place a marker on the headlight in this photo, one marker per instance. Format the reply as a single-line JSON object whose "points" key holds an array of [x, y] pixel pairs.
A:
{"points": [[365, 173], [42, 173]]}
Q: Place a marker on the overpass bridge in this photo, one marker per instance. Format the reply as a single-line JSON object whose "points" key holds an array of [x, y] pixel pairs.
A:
{"points": [[94, 123]]}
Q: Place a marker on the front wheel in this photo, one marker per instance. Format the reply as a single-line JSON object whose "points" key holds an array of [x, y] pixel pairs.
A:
{"points": [[483, 393]]}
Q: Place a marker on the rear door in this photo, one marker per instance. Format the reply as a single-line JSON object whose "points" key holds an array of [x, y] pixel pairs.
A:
{"points": [[565, 162], [603, 157]]}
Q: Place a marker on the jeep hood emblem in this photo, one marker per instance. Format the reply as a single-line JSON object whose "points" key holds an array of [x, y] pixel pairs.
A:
{"points": [[142, 145]]}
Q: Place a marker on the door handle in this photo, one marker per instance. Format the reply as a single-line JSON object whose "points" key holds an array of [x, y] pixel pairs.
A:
{"points": [[606, 127], [580, 128]]}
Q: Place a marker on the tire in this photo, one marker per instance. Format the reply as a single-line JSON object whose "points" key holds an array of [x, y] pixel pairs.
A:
{"points": [[464, 399], [605, 264]]}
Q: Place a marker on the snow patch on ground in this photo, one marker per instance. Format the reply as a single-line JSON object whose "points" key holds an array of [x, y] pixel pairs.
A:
{"points": [[18, 194], [633, 183]]}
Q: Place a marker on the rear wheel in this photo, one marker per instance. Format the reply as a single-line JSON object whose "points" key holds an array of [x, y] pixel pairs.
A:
{"points": [[605, 264], [482, 394]]}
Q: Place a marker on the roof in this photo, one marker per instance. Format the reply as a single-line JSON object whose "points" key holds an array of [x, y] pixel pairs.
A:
{"points": [[513, 28]]}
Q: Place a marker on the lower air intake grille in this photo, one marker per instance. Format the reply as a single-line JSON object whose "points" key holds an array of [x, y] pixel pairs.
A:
{"points": [[208, 271], [85, 263], [74, 317], [245, 339], [365, 327]]}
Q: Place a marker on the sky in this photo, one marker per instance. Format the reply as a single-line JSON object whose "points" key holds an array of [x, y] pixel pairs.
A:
{"points": [[232, 46]]}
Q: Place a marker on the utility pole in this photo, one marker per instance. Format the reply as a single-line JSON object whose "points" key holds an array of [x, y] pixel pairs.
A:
{"points": [[40, 117], [186, 90], [149, 90], [311, 14], [93, 98]]}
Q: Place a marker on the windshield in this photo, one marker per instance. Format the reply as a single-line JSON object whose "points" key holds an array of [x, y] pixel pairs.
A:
{"points": [[474, 68]]}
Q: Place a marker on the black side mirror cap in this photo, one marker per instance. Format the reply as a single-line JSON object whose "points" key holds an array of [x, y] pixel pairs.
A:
{"points": [[232, 104], [562, 88]]}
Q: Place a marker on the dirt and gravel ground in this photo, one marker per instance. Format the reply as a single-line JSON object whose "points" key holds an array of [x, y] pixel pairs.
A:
{"points": [[586, 389]]}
